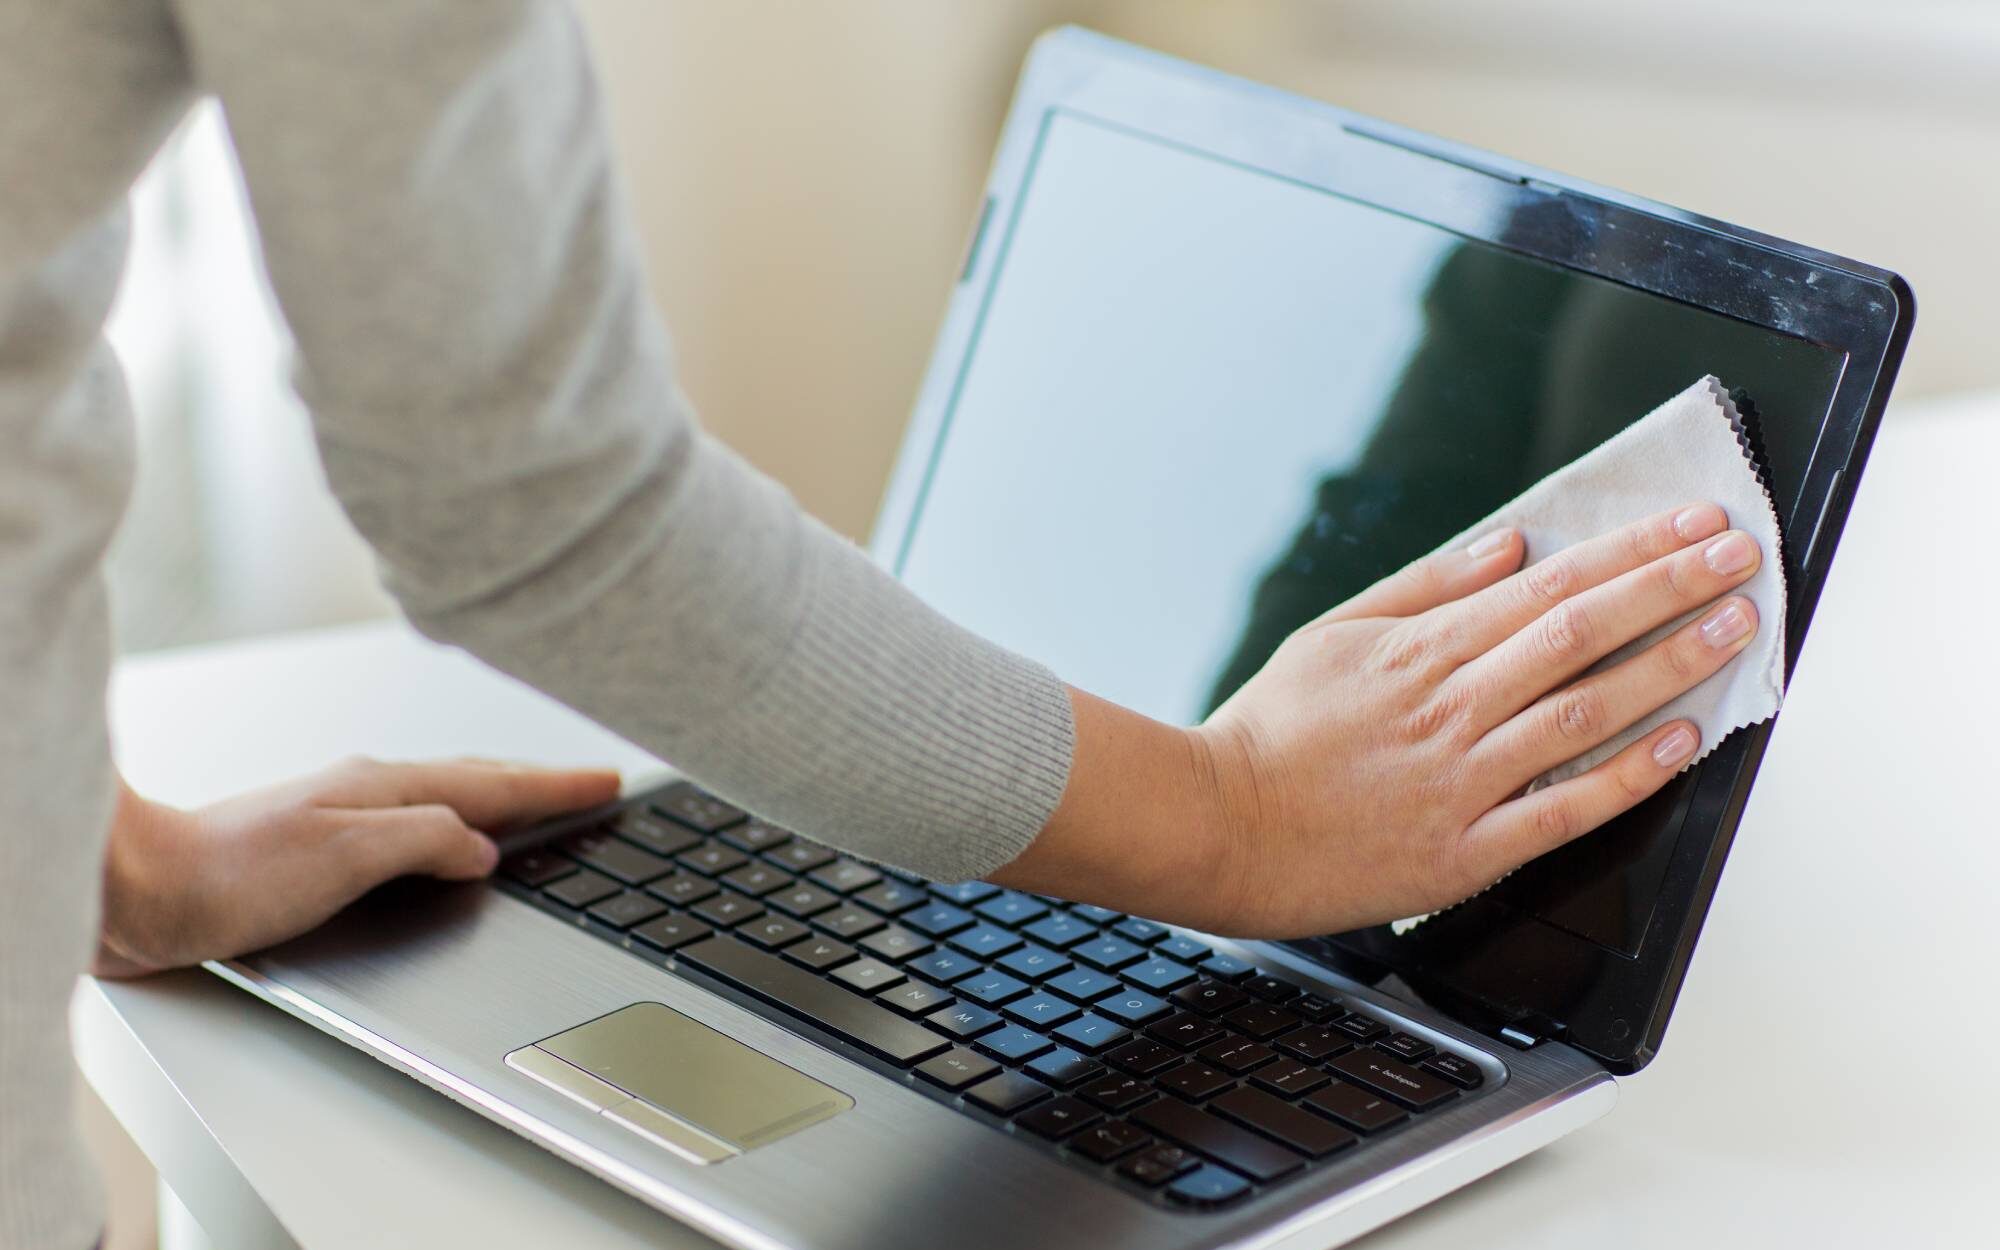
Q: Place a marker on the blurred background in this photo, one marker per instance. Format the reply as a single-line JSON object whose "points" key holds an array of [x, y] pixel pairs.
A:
{"points": [[804, 176]]}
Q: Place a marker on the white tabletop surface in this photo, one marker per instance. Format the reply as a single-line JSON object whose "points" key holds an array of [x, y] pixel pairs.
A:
{"points": [[1827, 1080]]}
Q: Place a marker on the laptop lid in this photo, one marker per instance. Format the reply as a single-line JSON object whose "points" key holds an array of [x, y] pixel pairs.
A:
{"points": [[1220, 357]]}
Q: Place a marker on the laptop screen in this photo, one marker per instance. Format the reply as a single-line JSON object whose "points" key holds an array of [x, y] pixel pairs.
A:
{"points": [[1204, 404]]}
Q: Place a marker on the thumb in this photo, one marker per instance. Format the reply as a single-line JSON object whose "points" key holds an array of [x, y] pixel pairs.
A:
{"points": [[428, 840]]}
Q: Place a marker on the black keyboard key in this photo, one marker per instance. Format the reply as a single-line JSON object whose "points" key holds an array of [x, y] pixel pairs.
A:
{"points": [[891, 897], [1159, 975], [1269, 988], [1007, 1093], [712, 859], [683, 889], [1102, 1143], [1308, 1134], [939, 920], [1107, 954], [1289, 1079], [1457, 1069], [849, 922], [671, 932], [1014, 1043], [1012, 908], [867, 975], [895, 943], [1158, 1165], [1059, 1118], [1185, 949], [799, 855], [1415, 1089], [1132, 1007], [1226, 968], [985, 941], [1193, 1081], [725, 910], [1115, 1091], [1092, 1033], [1142, 1056], [658, 836], [820, 953], [864, 1023], [1033, 963], [757, 879], [1041, 1011], [757, 836], [1314, 1008], [582, 889], [965, 893], [772, 932], [696, 808], [803, 901], [943, 966], [1236, 1054], [914, 998], [1185, 1031], [844, 876], [963, 1021], [1061, 932], [1314, 1042], [1207, 1187], [1226, 1143], [1144, 932], [990, 988], [1355, 1107], [622, 911], [1063, 1067], [1082, 985], [535, 869], [1261, 1022], [957, 1068], [615, 857], [1210, 998], [1407, 1048], [1091, 913], [1361, 1028]]}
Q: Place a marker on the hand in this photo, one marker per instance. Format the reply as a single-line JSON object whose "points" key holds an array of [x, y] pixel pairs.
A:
{"points": [[181, 887], [1375, 767]]}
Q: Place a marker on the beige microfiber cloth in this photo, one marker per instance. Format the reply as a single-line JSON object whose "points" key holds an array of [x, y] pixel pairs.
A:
{"points": [[1690, 449]]}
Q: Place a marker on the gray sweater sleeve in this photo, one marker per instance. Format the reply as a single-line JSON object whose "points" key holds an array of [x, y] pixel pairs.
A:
{"points": [[496, 407]]}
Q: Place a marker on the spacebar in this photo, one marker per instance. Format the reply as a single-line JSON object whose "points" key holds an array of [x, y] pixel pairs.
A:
{"points": [[839, 1011]]}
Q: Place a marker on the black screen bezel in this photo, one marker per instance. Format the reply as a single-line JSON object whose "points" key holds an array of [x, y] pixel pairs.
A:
{"points": [[1620, 1012]]}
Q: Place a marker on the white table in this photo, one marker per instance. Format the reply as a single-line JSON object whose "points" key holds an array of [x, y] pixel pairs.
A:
{"points": [[1827, 1080]]}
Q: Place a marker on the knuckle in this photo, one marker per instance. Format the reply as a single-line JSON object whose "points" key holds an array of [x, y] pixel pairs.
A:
{"points": [[1645, 542], [1631, 786], [1552, 580], [1578, 714], [1445, 714], [1676, 577], [1555, 818], [1682, 662], [1405, 650], [1566, 631]]}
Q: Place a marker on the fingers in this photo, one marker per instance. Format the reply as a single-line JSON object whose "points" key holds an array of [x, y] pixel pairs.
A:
{"points": [[426, 839], [484, 794], [1517, 831], [1569, 722], [1475, 625], [1574, 634], [1437, 578]]}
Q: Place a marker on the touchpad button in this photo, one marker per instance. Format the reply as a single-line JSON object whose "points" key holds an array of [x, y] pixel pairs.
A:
{"points": [[703, 1095]]}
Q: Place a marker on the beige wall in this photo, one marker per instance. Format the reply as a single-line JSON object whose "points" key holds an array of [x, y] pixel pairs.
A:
{"points": [[804, 173]]}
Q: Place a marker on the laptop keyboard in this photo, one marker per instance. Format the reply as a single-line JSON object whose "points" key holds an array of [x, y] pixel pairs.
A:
{"points": [[1127, 1048]]}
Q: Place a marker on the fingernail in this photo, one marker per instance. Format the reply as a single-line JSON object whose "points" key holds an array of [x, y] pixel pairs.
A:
{"points": [[1726, 625], [1488, 544], [1674, 748], [1731, 553], [1698, 521]]}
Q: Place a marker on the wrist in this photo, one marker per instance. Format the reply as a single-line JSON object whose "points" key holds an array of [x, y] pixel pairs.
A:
{"points": [[144, 844]]}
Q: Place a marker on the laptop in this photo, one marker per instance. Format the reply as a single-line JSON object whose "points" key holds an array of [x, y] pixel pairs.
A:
{"points": [[1218, 358]]}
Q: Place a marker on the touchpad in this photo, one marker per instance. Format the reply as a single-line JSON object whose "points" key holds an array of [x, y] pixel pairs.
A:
{"points": [[674, 1080]]}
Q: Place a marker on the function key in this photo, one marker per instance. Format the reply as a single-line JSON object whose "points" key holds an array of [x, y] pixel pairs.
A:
{"points": [[1415, 1089], [1082, 985], [725, 910], [848, 922], [802, 900], [1261, 1022], [1207, 1186], [1356, 1108], [1063, 1067], [985, 941], [844, 876], [683, 889], [891, 897], [939, 920], [1194, 1081], [819, 954], [962, 1021], [957, 1068], [1143, 1056], [1185, 949], [1007, 1093], [944, 967], [1361, 1028], [1060, 931], [1059, 1118], [1457, 1069], [1288, 1078], [1314, 1042], [1013, 909], [536, 868], [800, 855], [696, 808], [1014, 1043], [1308, 1134], [757, 836], [1158, 974], [1236, 1055], [1093, 914], [1158, 1165], [895, 943], [1034, 962], [1210, 998], [758, 880], [1102, 1143], [772, 932], [1407, 1048], [914, 998], [1091, 1033], [615, 857], [1107, 954], [622, 911], [1269, 988], [965, 893], [658, 836], [671, 932], [1314, 1007], [582, 890], [867, 975], [713, 859], [1141, 931], [1132, 1007], [1226, 967]]}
